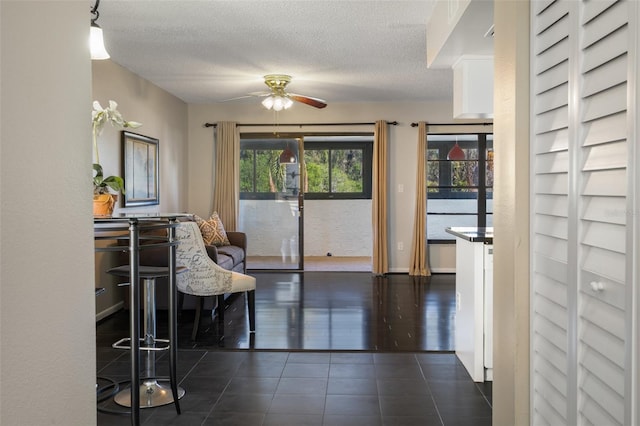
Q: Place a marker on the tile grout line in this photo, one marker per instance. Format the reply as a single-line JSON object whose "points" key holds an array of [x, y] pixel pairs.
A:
{"points": [[430, 392]]}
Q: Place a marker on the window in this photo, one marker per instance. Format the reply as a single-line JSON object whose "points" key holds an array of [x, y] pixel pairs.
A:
{"points": [[338, 170], [260, 172], [337, 167], [460, 192]]}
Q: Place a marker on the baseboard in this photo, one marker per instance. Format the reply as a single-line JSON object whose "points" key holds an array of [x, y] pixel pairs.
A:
{"points": [[110, 310], [433, 270], [443, 270], [399, 270]]}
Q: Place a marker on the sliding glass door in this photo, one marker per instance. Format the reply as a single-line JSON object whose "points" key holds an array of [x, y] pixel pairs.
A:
{"points": [[271, 202], [331, 174]]}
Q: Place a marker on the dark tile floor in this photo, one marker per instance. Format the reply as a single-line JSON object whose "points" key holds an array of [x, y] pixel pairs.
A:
{"points": [[329, 349]]}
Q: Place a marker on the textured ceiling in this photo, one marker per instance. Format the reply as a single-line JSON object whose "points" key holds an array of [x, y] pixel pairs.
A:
{"points": [[208, 51]]}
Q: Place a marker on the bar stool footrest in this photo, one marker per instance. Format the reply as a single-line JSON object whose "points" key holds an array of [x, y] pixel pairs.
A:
{"points": [[120, 344]]}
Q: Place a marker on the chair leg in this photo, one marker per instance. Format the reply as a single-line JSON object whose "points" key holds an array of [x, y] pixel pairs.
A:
{"points": [[221, 303], [180, 304], [251, 304], [196, 320]]}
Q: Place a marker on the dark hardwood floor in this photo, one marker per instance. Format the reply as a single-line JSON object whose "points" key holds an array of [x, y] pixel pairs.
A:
{"points": [[325, 311], [330, 348]]}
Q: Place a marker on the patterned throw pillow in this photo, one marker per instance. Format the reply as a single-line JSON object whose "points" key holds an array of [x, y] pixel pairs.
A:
{"points": [[212, 230]]}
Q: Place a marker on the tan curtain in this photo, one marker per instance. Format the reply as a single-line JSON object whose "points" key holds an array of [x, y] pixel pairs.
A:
{"points": [[419, 251], [226, 193], [379, 198]]}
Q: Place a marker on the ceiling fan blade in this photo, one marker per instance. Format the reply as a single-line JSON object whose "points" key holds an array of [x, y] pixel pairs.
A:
{"points": [[314, 102], [260, 94], [248, 95], [236, 98]]}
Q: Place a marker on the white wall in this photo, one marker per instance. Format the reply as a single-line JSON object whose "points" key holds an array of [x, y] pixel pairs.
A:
{"points": [[164, 117], [402, 150], [47, 298], [339, 227], [272, 226], [442, 22]]}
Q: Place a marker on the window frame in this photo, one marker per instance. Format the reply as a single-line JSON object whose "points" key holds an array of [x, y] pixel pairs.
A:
{"points": [[258, 145], [367, 173], [254, 143], [445, 171]]}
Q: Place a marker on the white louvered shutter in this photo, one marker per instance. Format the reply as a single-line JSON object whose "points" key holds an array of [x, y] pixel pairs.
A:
{"points": [[582, 327], [550, 223], [602, 184]]}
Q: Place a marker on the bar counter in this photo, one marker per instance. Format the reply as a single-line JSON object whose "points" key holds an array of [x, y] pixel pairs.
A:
{"points": [[472, 234]]}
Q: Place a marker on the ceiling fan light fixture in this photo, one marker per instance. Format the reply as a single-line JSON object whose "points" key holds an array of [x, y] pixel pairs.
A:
{"points": [[268, 102], [277, 103]]}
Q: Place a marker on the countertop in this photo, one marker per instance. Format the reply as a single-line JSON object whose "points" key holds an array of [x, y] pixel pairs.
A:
{"points": [[472, 234]]}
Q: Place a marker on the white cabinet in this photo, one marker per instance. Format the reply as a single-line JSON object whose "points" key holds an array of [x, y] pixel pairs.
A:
{"points": [[474, 301], [488, 311]]}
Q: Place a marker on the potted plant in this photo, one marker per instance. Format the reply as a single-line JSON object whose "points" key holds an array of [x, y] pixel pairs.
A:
{"points": [[103, 199]]}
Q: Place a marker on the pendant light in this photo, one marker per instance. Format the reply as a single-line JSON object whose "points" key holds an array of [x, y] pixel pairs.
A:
{"points": [[456, 153], [96, 41], [288, 156]]}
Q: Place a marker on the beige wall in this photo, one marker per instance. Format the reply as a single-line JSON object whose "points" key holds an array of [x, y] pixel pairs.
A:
{"points": [[511, 218], [47, 327], [402, 151], [164, 117]]}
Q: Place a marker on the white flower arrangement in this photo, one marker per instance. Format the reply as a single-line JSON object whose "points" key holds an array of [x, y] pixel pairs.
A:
{"points": [[99, 117]]}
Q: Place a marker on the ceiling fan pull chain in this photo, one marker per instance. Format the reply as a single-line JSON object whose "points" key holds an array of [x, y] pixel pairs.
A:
{"points": [[275, 119]]}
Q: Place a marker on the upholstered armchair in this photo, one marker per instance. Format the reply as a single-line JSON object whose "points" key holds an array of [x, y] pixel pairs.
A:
{"points": [[204, 278]]}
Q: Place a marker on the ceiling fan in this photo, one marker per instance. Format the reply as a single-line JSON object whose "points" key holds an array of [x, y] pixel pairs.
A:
{"points": [[279, 99]]}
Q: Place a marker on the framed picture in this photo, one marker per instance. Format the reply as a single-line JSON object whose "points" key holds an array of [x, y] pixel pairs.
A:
{"points": [[140, 170]]}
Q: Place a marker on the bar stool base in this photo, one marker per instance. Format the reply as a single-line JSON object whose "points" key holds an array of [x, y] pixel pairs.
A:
{"points": [[152, 394]]}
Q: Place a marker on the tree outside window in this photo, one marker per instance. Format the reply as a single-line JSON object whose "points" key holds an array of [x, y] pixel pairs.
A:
{"points": [[334, 169]]}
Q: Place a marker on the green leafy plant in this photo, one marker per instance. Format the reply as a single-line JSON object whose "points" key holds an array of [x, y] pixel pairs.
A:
{"points": [[99, 117], [101, 184]]}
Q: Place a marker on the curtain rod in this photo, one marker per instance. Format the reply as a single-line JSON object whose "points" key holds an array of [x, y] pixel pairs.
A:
{"points": [[214, 125], [454, 124]]}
